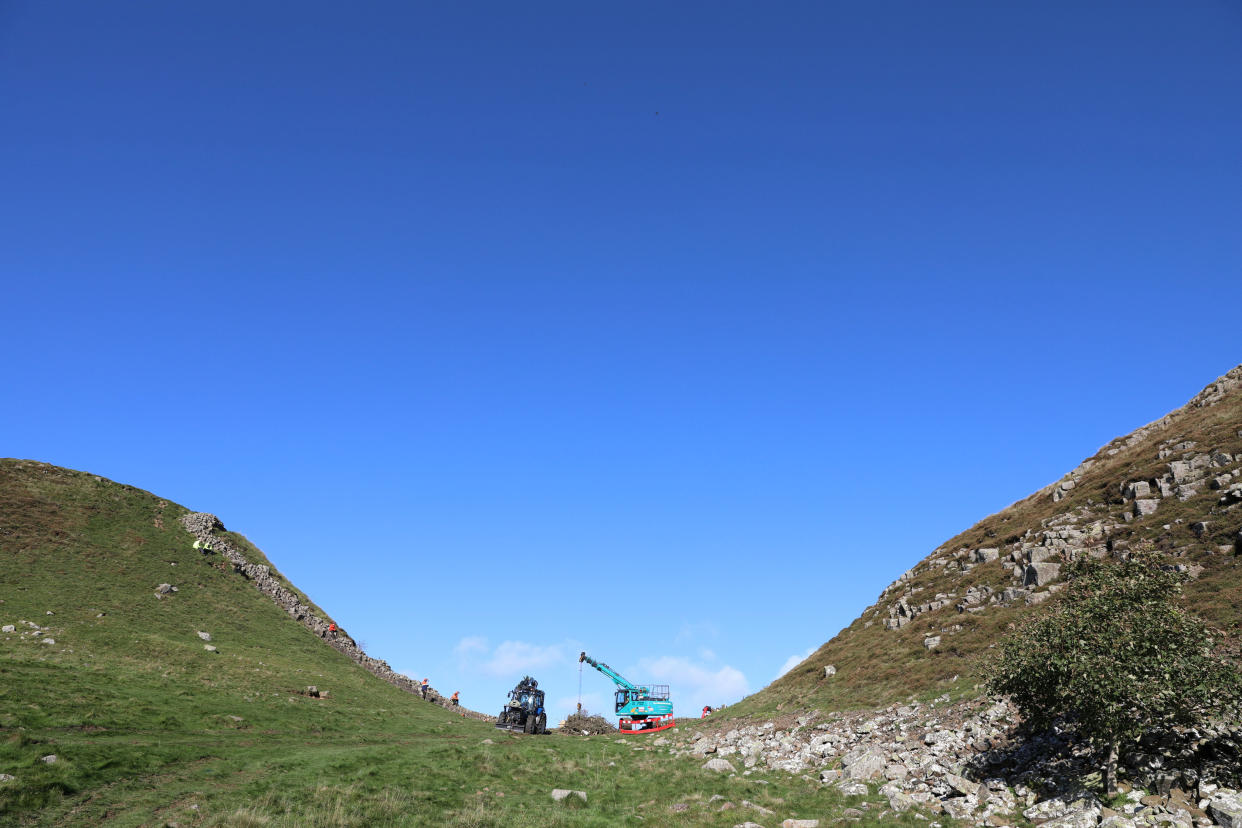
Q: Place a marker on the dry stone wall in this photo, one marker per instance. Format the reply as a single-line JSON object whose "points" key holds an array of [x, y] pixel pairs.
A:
{"points": [[204, 528], [960, 760]]}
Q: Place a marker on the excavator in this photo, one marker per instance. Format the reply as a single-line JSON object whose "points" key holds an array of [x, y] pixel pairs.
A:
{"points": [[641, 708]]}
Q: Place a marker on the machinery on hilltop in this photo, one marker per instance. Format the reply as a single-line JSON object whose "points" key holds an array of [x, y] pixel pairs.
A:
{"points": [[641, 708], [524, 711]]}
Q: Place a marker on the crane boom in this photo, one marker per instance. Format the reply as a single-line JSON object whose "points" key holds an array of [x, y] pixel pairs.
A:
{"points": [[617, 678]]}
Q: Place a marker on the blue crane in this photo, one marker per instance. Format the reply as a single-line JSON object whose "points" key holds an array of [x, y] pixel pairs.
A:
{"points": [[641, 708]]}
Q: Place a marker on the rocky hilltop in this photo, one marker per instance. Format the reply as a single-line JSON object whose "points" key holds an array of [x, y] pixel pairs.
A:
{"points": [[1175, 484], [894, 700]]}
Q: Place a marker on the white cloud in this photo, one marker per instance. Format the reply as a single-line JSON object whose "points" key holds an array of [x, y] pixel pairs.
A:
{"points": [[513, 657], [508, 658], [706, 654], [793, 661], [693, 685]]}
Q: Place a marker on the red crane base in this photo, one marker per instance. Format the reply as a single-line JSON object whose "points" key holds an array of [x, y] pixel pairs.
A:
{"points": [[654, 725]]}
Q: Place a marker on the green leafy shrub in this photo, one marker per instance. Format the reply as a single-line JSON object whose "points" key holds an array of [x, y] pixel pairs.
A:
{"points": [[1115, 657]]}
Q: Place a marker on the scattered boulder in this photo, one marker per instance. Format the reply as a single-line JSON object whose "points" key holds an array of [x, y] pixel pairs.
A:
{"points": [[5, 777], [830, 671], [800, 823], [559, 794], [204, 635], [719, 765], [8, 628], [1226, 810], [1086, 818], [962, 785], [50, 759], [746, 803], [1041, 574], [209, 648], [864, 764], [49, 641]]}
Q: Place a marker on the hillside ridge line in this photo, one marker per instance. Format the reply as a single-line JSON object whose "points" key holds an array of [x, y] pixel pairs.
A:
{"points": [[203, 526]]}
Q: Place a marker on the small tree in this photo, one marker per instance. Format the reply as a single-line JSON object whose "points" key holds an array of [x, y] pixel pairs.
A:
{"points": [[1115, 657]]}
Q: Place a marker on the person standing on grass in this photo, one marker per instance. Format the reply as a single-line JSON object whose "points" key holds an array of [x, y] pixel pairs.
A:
{"points": [[455, 693], [423, 688]]}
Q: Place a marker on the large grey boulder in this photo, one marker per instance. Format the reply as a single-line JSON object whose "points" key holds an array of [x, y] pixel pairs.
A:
{"points": [[1041, 574], [964, 786], [561, 793], [1061, 806], [898, 799], [1226, 810], [1117, 821], [719, 765], [1085, 818], [864, 764], [1145, 506], [703, 747]]}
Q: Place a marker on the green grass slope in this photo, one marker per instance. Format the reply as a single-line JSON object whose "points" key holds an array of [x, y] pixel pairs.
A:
{"points": [[149, 728], [877, 666]]}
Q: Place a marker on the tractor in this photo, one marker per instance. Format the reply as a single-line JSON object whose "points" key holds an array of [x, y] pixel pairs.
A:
{"points": [[524, 712]]}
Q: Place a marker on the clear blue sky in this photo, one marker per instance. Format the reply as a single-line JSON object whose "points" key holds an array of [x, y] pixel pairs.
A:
{"points": [[674, 331]]}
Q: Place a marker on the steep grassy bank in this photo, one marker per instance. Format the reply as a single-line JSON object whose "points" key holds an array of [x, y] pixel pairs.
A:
{"points": [[149, 727]]}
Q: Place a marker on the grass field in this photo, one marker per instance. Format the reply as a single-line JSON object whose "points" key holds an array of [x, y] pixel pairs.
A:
{"points": [[151, 728]]}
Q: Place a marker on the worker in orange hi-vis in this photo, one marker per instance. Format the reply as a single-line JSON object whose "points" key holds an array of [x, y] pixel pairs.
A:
{"points": [[423, 688], [454, 699]]}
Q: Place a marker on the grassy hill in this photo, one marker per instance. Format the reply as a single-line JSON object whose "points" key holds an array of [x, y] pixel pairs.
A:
{"points": [[1186, 466], [149, 727]]}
